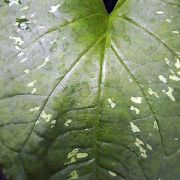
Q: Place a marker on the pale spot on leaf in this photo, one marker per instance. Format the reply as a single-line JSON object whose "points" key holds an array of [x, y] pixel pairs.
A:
{"points": [[45, 62], [162, 78], [171, 71], [175, 32], [178, 53], [112, 173], [113, 105], [21, 54], [73, 175], [37, 122], [177, 64], [155, 125], [17, 47], [31, 84], [68, 122], [18, 41], [24, 60], [32, 15], [14, 2], [82, 155], [149, 146], [134, 127], [169, 20], [167, 61], [27, 71], [40, 27], [54, 8], [71, 156], [53, 122], [33, 91], [174, 78], [139, 141], [159, 12], [139, 144], [137, 100], [24, 8], [35, 109], [132, 108], [151, 92], [46, 117], [169, 93]]}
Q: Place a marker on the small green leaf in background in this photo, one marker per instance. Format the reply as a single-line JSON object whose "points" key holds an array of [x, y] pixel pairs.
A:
{"points": [[90, 96]]}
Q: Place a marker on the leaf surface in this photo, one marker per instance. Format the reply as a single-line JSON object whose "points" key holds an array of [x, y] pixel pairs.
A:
{"points": [[87, 95]]}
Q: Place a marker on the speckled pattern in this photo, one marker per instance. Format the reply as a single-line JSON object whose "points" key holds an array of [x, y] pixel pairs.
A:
{"points": [[90, 96]]}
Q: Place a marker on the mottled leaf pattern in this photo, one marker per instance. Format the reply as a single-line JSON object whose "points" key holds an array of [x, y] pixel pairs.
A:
{"points": [[90, 96]]}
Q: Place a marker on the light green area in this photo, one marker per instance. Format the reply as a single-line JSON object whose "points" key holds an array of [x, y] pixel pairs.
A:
{"points": [[90, 96]]}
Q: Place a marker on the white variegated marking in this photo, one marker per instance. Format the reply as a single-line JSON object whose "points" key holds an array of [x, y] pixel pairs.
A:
{"points": [[73, 176], [45, 62], [23, 60], [155, 125], [31, 84], [134, 127], [37, 122], [33, 91], [169, 93], [112, 173], [167, 61], [175, 32], [177, 64], [132, 108], [33, 15], [27, 71], [178, 53], [35, 109], [169, 20], [171, 71], [139, 144], [160, 12], [137, 100], [53, 122], [24, 8], [149, 146], [162, 78], [113, 105], [54, 9], [46, 117], [21, 54], [81, 155], [17, 47], [40, 27], [72, 156], [68, 122], [18, 40], [174, 78], [151, 92], [12, 2]]}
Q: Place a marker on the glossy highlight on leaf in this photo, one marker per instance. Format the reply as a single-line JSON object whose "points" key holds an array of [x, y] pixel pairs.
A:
{"points": [[89, 95]]}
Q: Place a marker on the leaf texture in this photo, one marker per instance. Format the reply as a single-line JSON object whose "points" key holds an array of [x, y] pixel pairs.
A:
{"points": [[90, 96]]}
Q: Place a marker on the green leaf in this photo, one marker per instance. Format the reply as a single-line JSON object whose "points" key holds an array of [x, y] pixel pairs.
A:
{"points": [[86, 95]]}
